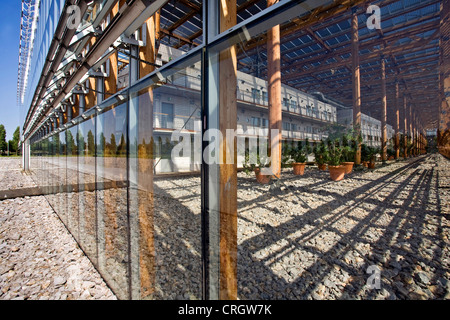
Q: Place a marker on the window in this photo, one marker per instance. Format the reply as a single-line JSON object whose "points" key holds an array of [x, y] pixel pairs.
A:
{"points": [[265, 123], [308, 129], [293, 127], [167, 115], [265, 97], [256, 122], [285, 102], [286, 126], [293, 104], [255, 94]]}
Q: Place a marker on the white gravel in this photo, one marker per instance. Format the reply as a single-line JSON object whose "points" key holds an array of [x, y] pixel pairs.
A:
{"points": [[309, 238]]}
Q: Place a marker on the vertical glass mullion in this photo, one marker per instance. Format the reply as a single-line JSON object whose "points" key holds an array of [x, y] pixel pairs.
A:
{"points": [[210, 173]]}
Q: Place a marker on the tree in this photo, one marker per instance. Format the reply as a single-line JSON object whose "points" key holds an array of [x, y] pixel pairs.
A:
{"points": [[122, 148], [16, 139], [91, 143], [113, 145], [3, 145]]}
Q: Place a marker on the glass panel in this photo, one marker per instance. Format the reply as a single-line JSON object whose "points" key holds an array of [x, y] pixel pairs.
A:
{"points": [[164, 195], [86, 184], [61, 183], [51, 172], [111, 188], [250, 252], [72, 181]]}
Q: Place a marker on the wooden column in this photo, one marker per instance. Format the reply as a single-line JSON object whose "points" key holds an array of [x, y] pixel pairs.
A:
{"points": [[414, 121], [397, 122], [410, 127], [274, 94], [228, 171], [91, 96], [145, 164], [417, 135], [405, 128], [356, 85], [111, 79], [383, 111]]}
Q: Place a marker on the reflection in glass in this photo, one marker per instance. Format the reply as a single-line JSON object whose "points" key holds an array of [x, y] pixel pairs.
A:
{"points": [[86, 184], [111, 189], [72, 181]]}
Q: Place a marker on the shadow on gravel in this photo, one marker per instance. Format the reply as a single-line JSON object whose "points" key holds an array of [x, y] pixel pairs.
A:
{"points": [[337, 269]]}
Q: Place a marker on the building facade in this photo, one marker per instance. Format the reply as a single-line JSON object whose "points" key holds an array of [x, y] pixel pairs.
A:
{"points": [[370, 127]]}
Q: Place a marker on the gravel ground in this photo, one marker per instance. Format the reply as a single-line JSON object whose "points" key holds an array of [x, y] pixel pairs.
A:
{"points": [[381, 234], [319, 239], [39, 259]]}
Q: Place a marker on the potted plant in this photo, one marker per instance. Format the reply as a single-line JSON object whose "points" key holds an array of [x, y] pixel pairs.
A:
{"points": [[299, 155], [348, 152], [390, 153], [372, 153], [335, 167], [261, 162], [365, 155], [320, 152], [286, 150]]}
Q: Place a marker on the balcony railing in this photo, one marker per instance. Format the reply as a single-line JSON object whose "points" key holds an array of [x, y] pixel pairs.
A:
{"points": [[295, 109]]}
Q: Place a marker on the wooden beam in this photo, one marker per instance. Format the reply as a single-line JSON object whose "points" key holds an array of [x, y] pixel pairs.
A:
{"points": [[177, 36], [356, 85], [397, 121], [144, 164], [274, 94], [405, 128], [383, 111], [228, 171]]}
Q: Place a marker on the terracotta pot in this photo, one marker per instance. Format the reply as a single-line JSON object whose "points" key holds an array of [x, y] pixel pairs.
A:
{"points": [[371, 165], [322, 167], [348, 167], [365, 163], [299, 168], [262, 178], [336, 172]]}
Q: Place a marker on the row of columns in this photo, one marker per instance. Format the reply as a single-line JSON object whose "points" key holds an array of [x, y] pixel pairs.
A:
{"points": [[413, 134]]}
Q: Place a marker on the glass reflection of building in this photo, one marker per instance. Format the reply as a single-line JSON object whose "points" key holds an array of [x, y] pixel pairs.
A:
{"points": [[101, 104]]}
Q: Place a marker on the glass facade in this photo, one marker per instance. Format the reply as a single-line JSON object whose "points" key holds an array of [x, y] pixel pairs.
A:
{"points": [[149, 180], [107, 174], [141, 231]]}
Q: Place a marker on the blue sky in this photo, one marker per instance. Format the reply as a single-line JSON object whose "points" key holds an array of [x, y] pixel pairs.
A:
{"points": [[10, 11]]}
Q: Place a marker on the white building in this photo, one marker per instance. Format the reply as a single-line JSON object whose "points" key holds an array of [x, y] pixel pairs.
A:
{"points": [[177, 106], [370, 127]]}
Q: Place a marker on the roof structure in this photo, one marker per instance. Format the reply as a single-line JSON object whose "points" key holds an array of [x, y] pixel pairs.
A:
{"points": [[316, 53], [315, 50]]}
